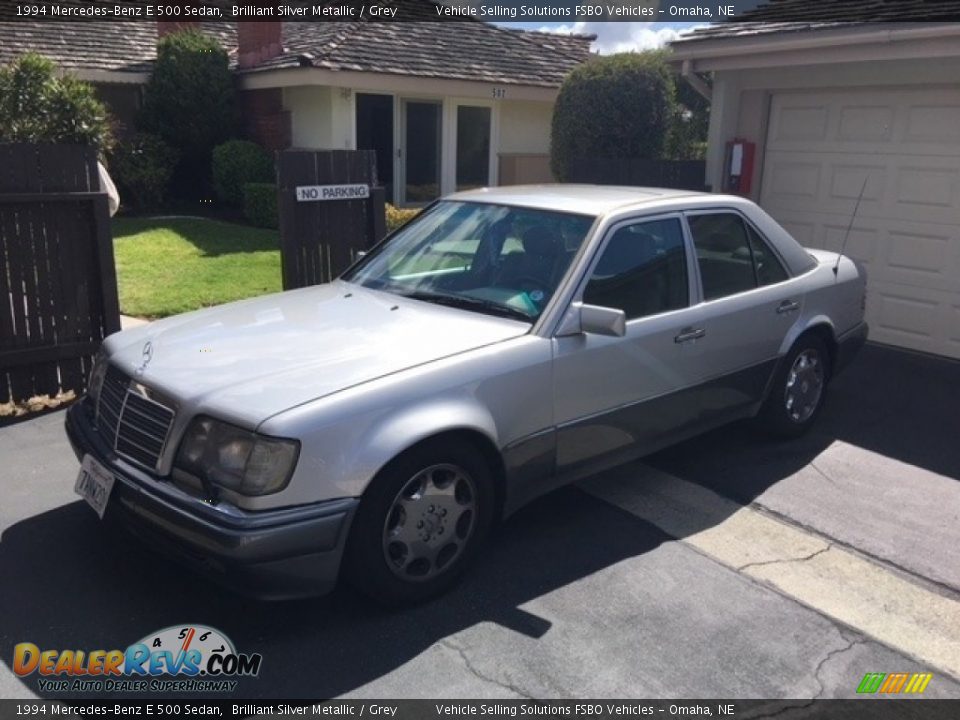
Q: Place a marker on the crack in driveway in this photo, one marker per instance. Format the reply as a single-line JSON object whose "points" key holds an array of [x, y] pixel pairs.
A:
{"points": [[482, 676], [802, 558]]}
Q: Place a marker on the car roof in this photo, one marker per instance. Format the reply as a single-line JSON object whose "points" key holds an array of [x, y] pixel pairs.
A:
{"points": [[582, 199]]}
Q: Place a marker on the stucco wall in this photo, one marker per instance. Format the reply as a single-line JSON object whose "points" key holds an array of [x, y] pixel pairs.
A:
{"points": [[322, 117], [525, 126]]}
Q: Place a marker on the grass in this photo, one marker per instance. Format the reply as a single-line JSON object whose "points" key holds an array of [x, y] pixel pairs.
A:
{"points": [[165, 267]]}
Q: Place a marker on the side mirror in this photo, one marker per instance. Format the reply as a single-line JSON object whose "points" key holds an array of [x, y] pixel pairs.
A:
{"points": [[581, 318]]}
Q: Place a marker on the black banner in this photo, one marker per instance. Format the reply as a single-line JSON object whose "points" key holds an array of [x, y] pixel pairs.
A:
{"points": [[876, 709], [704, 11]]}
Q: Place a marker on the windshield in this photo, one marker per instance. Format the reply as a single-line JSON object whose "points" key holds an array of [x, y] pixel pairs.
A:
{"points": [[494, 259]]}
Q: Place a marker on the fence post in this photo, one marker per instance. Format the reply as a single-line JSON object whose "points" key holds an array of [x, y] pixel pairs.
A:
{"points": [[321, 232]]}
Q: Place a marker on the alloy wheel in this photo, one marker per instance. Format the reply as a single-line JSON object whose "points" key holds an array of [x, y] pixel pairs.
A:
{"points": [[804, 386], [430, 522]]}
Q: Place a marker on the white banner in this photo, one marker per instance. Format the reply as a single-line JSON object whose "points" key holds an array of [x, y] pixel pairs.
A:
{"points": [[314, 193]]}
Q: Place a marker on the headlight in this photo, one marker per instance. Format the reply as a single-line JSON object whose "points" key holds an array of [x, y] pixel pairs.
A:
{"points": [[97, 373], [236, 459]]}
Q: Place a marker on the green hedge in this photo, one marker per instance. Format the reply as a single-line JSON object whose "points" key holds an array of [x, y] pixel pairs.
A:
{"points": [[614, 106], [39, 104], [260, 204], [142, 164], [236, 163]]}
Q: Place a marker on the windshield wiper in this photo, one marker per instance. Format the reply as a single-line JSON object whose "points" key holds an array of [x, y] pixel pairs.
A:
{"points": [[470, 303]]}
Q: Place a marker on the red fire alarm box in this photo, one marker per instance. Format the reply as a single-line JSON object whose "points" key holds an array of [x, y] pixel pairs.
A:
{"points": [[738, 166]]}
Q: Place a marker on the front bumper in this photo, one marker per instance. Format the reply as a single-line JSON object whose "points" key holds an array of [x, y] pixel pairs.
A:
{"points": [[273, 554]]}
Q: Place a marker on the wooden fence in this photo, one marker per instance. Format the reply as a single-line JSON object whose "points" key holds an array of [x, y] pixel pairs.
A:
{"points": [[58, 284], [320, 239], [679, 174]]}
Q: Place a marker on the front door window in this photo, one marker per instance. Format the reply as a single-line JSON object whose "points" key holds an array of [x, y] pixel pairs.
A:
{"points": [[473, 147], [422, 157]]}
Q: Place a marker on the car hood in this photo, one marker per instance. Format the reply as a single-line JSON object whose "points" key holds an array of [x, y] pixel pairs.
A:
{"points": [[249, 360]]}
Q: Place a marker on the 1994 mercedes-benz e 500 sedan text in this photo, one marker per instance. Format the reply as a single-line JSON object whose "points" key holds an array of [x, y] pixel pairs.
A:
{"points": [[505, 342]]}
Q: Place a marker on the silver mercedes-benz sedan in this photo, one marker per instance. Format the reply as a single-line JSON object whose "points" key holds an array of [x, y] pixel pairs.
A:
{"points": [[504, 343]]}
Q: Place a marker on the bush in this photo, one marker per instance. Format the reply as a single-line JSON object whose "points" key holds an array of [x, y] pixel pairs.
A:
{"points": [[237, 163], [39, 106], [141, 165], [189, 103], [613, 106], [396, 217], [260, 205]]}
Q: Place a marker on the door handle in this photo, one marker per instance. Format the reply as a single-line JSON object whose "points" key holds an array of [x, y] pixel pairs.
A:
{"points": [[689, 333], [787, 306]]}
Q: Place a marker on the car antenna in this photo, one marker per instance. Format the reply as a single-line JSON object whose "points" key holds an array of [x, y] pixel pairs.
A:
{"points": [[846, 235]]}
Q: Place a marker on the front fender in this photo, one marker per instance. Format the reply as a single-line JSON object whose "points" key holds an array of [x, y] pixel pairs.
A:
{"points": [[503, 393], [402, 429]]}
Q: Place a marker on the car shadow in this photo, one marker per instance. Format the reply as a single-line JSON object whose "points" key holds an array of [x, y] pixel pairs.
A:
{"points": [[70, 583], [894, 403]]}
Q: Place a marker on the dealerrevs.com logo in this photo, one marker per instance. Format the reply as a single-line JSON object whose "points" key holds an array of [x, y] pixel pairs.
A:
{"points": [[181, 658]]}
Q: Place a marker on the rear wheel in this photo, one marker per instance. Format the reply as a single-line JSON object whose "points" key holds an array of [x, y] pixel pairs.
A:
{"points": [[799, 388], [420, 523]]}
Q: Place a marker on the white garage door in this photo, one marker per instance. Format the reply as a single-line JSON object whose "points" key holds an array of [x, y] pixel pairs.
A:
{"points": [[906, 144]]}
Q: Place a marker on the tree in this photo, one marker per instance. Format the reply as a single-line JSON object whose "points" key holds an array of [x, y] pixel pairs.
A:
{"points": [[189, 103], [38, 105], [688, 139], [613, 106]]}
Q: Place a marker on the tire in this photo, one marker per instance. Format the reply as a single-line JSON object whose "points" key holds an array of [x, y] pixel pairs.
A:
{"points": [[420, 523], [798, 389]]}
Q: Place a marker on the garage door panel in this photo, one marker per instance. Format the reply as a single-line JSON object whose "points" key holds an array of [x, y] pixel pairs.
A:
{"points": [[917, 121], [912, 258], [847, 182], [906, 143], [904, 187], [792, 180], [924, 320], [924, 255], [802, 123], [865, 123], [933, 124]]}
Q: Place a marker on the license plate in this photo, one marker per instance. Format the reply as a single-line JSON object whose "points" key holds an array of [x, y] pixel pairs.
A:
{"points": [[94, 483]]}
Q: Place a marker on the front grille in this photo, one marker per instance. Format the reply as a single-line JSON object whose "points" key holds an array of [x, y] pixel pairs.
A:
{"points": [[131, 423]]}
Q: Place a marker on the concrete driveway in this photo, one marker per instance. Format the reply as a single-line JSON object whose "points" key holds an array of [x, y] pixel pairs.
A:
{"points": [[728, 566]]}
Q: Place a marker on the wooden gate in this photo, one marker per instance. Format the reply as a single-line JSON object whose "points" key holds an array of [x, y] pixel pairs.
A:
{"points": [[58, 283], [327, 223]]}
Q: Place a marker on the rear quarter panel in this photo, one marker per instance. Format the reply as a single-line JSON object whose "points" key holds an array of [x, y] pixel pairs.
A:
{"points": [[832, 300]]}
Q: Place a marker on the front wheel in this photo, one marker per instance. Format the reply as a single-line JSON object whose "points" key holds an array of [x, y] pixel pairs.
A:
{"points": [[420, 523], [798, 390]]}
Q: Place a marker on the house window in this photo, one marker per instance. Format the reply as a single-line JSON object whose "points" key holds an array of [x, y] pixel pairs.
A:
{"points": [[375, 132], [422, 136], [473, 147]]}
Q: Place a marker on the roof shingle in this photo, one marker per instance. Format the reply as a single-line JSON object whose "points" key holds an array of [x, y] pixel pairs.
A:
{"points": [[789, 16], [458, 49]]}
